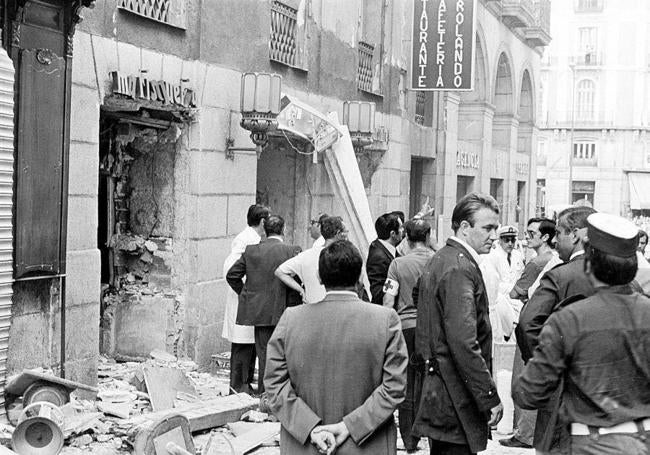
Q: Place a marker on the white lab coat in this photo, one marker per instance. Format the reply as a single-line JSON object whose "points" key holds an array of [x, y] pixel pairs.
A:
{"points": [[242, 334]]}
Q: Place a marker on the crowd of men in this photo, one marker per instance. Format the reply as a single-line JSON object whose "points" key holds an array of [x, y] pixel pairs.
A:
{"points": [[335, 363]]}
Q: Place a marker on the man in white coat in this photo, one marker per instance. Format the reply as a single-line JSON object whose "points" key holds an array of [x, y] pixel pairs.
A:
{"points": [[241, 337]]}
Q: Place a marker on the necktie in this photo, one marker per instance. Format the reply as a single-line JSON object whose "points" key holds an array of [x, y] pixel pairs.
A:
{"points": [[509, 254]]}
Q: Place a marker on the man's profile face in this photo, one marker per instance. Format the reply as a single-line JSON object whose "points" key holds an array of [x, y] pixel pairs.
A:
{"points": [[484, 232], [643, 241], [564, 240], [533, 236], [314, 229]]}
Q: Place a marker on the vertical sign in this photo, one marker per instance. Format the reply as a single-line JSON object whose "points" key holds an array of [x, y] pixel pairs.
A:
{"points": [[443, 45]]}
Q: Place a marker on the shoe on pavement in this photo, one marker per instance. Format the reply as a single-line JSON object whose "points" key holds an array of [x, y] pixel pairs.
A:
{"points": [[513, 442]]}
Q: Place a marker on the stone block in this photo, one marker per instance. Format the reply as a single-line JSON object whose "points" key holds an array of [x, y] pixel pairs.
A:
{"points": [[84, 276], [172, 68], [152, 62], [195, 72], [237, 210], [214, 123], [84, 371], [84, 168], [106, 60], [83, 66], [205, 303], [222, 88], [209, 218], [84, 116], [81, 332], [82, 223], [128, 58], [390, 182], [206, 258], [212, 173], [142, 324], [28, 342], [209, 342]]}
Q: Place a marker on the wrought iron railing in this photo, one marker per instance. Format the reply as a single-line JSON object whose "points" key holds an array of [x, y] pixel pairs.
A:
{"points": [[282, 45], [420, 102], [170, 12], [364, 72]]}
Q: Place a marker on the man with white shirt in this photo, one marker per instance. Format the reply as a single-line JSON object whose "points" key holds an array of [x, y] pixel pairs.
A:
{"points": [[242, 337], [557, 288], [315, 233], [305, 265]]}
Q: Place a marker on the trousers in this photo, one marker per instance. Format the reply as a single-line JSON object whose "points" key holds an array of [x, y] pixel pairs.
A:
{"points": [[242, 366], [262, 337], [408, 408], [611, 444]]}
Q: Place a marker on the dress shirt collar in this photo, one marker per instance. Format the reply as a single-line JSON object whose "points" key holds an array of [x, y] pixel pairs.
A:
{"points": [[576, 254], [252, 233], [389, 246], [341, 293], [276, 237], [469, 249]]}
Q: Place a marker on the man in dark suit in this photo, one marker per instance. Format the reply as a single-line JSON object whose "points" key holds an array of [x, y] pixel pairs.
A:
{"points": [[262, 297], [459, 400], [557, 288], [336, 369], [381, 253]]}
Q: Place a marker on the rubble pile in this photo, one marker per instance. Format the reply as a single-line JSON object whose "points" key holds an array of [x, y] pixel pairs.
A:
{"points": [[136, 401]]}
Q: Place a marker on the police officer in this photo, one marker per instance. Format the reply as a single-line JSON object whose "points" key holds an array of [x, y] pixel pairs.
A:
{"points": [[600, 347]]}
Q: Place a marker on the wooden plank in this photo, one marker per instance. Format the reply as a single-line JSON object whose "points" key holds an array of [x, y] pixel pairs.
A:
{"points": [[205, 415], [254, 438], [163, 383]]}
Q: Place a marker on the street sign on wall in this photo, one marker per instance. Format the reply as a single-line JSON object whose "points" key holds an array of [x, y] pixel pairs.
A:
{"points": [[442, 54]]}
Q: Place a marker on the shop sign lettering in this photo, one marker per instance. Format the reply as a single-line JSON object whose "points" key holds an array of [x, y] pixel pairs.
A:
{"points": [[468, 160], [443, 44], [138, 87]]}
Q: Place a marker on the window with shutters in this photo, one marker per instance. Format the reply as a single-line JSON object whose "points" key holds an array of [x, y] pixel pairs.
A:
{"points": [[285, 41], [420, 102], [584, 153], [170, 12], [365, 69]]}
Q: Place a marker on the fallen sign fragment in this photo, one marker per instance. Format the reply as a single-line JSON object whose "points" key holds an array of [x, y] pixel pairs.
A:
{"points": [[164, 384]]}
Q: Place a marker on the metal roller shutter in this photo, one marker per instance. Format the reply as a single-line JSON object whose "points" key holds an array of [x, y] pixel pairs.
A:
{"points": [[6, 210]]}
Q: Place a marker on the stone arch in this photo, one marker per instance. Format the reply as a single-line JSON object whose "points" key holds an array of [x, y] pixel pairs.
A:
{"points": [[526, 110], [503, 86]]}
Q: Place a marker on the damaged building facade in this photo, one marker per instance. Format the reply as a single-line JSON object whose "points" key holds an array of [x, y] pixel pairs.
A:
{"points": [[159, 173]]}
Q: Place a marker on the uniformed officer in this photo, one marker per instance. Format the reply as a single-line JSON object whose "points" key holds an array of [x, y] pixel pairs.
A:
{"points": [[600, 348]]}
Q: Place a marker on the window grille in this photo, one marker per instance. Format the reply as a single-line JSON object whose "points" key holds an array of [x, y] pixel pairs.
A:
{"points": [[282, 46], [170, 12], [420, 101], [364, 72]]}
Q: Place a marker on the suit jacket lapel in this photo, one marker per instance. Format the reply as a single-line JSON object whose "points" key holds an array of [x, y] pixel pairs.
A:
{"points": [[454, 244], [384, 249]]}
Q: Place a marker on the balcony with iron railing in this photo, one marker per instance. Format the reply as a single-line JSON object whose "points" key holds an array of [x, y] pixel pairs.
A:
{"points": [[588, 59], [580, 120], [539, 33]]}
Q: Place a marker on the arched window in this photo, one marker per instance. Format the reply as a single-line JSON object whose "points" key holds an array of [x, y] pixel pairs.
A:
{"points": [[585, 100]]}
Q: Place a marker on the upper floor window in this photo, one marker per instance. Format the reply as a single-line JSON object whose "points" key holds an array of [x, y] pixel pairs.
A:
{"points": [[588, 6], [170, 12], [585, 100], [584, 153], [365, 68], [285, 42], [588, 45]]}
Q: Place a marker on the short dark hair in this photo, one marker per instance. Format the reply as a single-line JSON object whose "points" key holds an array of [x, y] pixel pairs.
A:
{"points": [[330, 226], [574, 217], [417, 230], [257, 213], [322, 217], [546, 227], [385, 224], [339, 264], [274, 225], [643, 234], [610, 269], [467, 207], [399, 214]]}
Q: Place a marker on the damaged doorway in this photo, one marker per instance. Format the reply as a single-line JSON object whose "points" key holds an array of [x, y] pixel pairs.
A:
{"points": [[283, 171], [135, 232]]}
